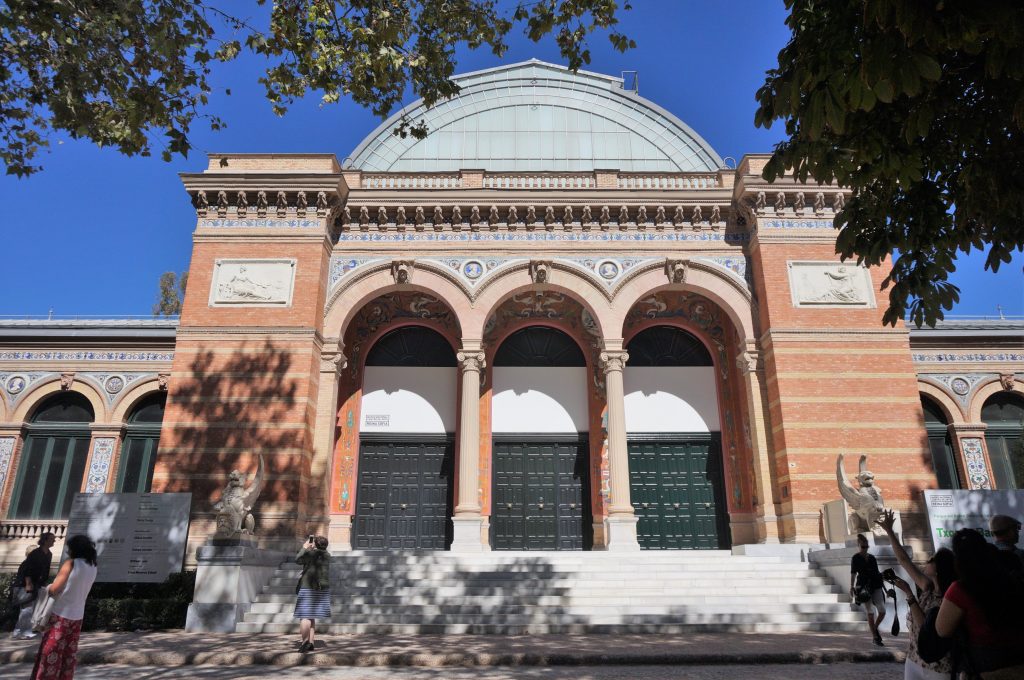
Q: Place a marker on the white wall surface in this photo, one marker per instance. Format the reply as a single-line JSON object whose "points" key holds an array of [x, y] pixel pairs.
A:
{"points": [[539, 399], [405, 399], [671, 399]]}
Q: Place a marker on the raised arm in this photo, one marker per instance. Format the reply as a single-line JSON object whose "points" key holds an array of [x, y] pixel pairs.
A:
{"points": [[888, 521], [57, 587]]}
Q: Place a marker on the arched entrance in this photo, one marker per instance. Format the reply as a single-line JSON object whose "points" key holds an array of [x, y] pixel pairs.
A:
{"points": [[675, 443], [404, 493], [940, 445], [540, 454], [1003, 413]]}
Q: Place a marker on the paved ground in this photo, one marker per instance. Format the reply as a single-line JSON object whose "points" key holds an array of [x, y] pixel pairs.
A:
{"points": [[178, 648], [840, 671]]}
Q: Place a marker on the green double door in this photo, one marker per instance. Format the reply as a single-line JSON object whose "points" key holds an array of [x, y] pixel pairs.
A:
{"points": [[676, 487], [541, 495], [404, 496]]}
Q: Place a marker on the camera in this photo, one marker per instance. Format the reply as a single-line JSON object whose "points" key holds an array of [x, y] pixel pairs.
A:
{"points": [[889, 575]]}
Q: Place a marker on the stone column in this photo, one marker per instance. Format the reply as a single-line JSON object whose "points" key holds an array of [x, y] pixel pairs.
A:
{"points": [[467, 520], [338, 527], [621, 523], [752, 370], [973, 450]]}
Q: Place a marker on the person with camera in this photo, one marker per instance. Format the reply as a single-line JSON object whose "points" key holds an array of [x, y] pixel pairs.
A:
{"points": [[313, 591], [866, 587], [932, 581]]}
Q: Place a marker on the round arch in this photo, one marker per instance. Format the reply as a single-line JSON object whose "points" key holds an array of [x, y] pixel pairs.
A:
{"points": [[45, 388], [705, 279], [137, 393], [950, 408], [982, 394], [351, 296], [516, 280]]}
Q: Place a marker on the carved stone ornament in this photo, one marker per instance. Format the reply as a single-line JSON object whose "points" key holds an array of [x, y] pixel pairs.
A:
{"points": [[400, 216], [492, 216], [746, 362], [798, 202], [438, 217], [678, 217], [698, 215], [716, 215], [382, 216], [567, 216], [623, 215], [586, 218], [780, 202], [659, 216], [606, 215], [333, 362], [761, 202], [162, 380], [364, 216], [300, 204], [321, 203], [549, 216], [472, 361], [1007, 380], [242, 204], [819, 203], [474, 216], [202, 203], [865, 501], [282, 204], [234, 509], [540, 270], [613, 361], [531, 216], [675, 270], [456, 216], [641, 215], [66, 381], [402, 271], [838, 203], [513, 216], [419, 217], [261, 204], [222, 203]]}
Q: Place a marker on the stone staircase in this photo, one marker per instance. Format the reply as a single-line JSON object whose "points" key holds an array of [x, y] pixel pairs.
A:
{"points": [[514, 593]]}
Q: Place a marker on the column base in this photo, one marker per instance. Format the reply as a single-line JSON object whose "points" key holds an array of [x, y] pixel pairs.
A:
{"points": [[467, 535], [339, 533], [620, 533]]}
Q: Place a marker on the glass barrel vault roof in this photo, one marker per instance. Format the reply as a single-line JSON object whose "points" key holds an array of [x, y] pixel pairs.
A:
{"points": [[535, 116]]}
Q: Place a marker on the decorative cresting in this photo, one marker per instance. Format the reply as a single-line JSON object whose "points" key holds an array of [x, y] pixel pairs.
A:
{"points": [[710, 215], [532, 114], [774, 206], [99, 467], [393, 308]]}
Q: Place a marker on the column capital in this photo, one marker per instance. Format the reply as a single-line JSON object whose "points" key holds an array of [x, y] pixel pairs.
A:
{"points": [[332, 362], [472, 360], [749, 361], [614, 360]]}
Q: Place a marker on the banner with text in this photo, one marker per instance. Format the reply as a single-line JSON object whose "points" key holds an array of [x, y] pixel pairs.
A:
{"points": [[949, 510], [140, 537]]}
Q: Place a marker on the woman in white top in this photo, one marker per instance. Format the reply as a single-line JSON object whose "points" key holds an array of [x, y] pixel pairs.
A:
{"points": [[59, 646]]}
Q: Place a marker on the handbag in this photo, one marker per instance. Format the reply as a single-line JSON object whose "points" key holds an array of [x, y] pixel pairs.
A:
{"points": [[20, 597], [44, 608], [896, 606]]}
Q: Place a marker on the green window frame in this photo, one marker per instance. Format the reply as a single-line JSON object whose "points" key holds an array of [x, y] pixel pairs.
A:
{"points": [[137, 461], [56, 457]]}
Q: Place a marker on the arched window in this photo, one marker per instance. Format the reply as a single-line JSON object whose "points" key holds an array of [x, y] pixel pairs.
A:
{"points": [[53, 458], [1004, 415], [138, 453], [539, 346], [411, 346], [940, 445], [667, 346]]}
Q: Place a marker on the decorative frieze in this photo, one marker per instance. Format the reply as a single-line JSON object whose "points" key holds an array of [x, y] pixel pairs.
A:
{"points": [[960, 385], [261, 223], [236, 204], [99, 467], [797, 224], [542, 235], [965, 357], [70, 356]]}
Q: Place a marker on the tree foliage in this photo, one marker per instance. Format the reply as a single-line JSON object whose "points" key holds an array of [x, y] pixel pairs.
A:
{"points": [[135, 74], [171, 294], [918, 107]]}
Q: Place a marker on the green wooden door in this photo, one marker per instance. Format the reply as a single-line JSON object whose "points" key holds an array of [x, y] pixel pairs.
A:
{"points": [[541, 496], [404, 496], [677, 491]]}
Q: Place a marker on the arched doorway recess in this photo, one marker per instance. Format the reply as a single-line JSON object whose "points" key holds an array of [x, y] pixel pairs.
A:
{"points": [[1003, 413], [940, 445], [541, 454], [675, 443]]}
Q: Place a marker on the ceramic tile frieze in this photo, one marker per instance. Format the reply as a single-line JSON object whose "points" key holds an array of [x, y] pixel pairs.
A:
{"points": [[29, 355], [343, 265], [734, 265], [965, 357], [99, 468], [262, 223], [974, 460], [533, 236]]}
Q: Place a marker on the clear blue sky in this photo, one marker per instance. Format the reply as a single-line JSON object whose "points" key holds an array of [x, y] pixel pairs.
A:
{"points": [[92, 233]]}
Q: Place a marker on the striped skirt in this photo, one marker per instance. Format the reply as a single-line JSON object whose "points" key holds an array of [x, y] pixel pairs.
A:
{"points": [[313, 604]]}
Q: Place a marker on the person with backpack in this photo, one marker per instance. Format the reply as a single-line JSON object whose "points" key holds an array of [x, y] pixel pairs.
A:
{"points": [[867, 588], [313, 591], [33, 574]]}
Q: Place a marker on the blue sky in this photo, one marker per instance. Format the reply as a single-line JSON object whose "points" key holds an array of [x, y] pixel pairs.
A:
{"points": [[92, 233]]}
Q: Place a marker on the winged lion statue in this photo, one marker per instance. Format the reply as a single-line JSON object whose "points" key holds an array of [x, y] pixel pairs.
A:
{"points": [[234, 509], [865, 501]]}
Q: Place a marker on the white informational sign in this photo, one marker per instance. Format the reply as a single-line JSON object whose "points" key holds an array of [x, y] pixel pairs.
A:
{"points": [[140, 537], [950, 510]]}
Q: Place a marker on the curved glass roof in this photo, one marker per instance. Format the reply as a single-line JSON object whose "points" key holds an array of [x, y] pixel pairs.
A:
{"points": [[535, 116]]}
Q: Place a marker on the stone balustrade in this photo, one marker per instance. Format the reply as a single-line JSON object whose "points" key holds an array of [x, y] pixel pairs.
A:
{"points": [[31, 529], [539, 180], [662, 181], [414, 180]]}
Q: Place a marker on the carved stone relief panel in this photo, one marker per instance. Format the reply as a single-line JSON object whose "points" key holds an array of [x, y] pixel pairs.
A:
{"points": [[830, 284], [265, 282]]}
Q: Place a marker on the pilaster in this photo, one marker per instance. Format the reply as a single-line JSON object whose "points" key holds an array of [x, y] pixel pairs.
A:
{"points": [[621, 522], [467, 520]]}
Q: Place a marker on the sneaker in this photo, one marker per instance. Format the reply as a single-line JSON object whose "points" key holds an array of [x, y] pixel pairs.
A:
{"points": [[16, 635], [878, 641]]}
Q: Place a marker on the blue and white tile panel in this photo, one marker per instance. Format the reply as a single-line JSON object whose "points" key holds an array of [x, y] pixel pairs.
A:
{"points": [[540, 236], [29, 355], [99, 467], [6, 454], [966, 357], [974, 460], [259, 223]]}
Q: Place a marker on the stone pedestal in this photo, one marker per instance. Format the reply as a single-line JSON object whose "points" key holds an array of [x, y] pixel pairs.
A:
{"points": [[228, 579], [621, 534], [466, 535]]}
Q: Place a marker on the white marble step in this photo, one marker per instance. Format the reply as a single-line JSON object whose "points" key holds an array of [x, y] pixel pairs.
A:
{"points": [[745, 626]]}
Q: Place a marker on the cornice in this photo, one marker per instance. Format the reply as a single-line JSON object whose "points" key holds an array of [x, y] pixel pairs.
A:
{"points": [[185, 332], [831, 334]]}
